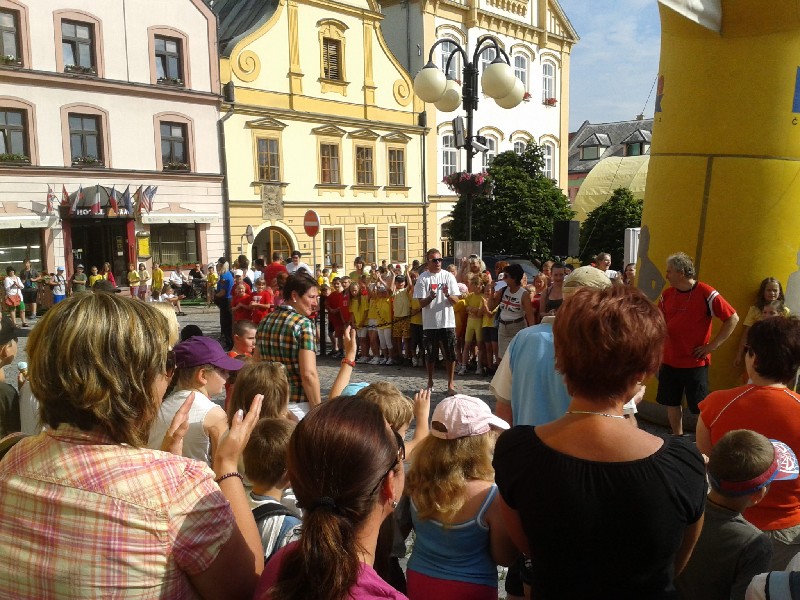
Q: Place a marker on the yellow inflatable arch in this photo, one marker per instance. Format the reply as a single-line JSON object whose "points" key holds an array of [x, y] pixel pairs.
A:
{"points": [[723, 183]]}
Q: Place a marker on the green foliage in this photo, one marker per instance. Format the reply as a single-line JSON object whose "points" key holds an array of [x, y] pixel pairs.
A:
{"points": [[517, 218], [604, 227]]}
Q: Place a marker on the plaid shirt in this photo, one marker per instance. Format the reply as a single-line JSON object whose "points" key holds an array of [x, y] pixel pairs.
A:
{"points": [[84, 517], [280, 337]]}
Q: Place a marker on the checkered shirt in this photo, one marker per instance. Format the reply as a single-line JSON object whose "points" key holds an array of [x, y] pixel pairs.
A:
{"points": [[83, 517], [280, 337]]}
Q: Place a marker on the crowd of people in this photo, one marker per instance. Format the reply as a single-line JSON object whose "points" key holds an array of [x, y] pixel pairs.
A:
{"points": [[148, 462]]}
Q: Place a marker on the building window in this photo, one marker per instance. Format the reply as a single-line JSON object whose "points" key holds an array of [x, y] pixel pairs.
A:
{"points": [[77, 46], [635, 149], [397, 244], [519, 147], [548, 151], [397, 167], [446, 239], [268, 160], [366, 244], [173, 146], [590, 152], [449, 155], [13, 138], [521, 69], [487, 56], [18, 244], [329, 163], [9, 35], [488, 156], [84, 139], [332, 245], [331, 59], [173, 244], [169, 63], [548, 81], [454, 72], [365, 173]]}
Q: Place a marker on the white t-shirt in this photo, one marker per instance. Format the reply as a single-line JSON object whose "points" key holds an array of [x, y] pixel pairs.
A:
{"points": [[439, 314], [196, 443], [60, 287], [291, 268]]}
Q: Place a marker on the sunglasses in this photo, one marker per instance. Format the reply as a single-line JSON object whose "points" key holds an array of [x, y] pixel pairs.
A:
{"points": [[401, 455], [169, 366], [437, 259]]}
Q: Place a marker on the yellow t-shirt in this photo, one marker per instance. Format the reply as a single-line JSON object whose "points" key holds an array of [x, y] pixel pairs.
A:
{"points": [[488, 318], [384, 310], [402, 303], [213, 277], [133, 278], [358, 308], [416, 312], [460, 308], [754, 314], [372, 312], [474, 300], [158, 279], [93, 279]]}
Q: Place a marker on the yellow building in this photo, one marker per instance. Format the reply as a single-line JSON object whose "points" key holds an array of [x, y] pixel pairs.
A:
{"points": [[319, 115]]}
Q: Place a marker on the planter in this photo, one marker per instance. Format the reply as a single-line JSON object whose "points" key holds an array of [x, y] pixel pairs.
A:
{"points": [[14, 159], [471, 184], [10, 61], [170, 81], [87, 161], [549, 101], [79, 70], [176, 167]]}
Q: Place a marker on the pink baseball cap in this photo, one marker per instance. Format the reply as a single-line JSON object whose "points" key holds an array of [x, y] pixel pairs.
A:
{"points": [[463, 416]]}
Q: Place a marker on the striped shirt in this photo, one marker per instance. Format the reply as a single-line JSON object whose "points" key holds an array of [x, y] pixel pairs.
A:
{"points": [[84, 517], [280, 337]]}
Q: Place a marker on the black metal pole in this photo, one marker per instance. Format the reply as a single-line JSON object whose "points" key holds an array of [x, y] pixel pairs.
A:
{"points": [[470, 99]]}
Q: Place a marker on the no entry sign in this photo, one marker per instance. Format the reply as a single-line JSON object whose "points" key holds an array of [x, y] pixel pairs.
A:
{"points": [[311, 223]]}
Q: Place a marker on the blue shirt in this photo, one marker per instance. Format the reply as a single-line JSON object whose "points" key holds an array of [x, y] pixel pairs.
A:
{"points": [[538, 392], [226, 283]]}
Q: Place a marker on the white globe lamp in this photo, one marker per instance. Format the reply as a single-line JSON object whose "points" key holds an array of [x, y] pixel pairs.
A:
{"points": [[514, 97], [430, 83], [498, 79], [451, 99]]}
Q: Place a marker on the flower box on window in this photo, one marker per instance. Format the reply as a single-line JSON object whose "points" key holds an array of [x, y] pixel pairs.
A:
{"points": [[176, 166], [10, 61], [473, 184], [176, 81], [550, 102], [86, 161], [80, 70], [14, 159]]}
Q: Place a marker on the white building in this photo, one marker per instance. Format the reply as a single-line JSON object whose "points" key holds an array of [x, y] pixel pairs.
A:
{"points": [[537, 37], [103, 97]]}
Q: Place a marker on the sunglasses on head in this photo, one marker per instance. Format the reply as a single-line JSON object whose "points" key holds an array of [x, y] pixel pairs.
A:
{"points": [[401, 455]]}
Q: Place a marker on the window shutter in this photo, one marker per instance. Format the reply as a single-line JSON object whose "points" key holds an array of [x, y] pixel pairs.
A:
{"points": [[330, 58]]}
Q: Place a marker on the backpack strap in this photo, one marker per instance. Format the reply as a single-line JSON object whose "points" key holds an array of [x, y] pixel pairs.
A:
{"points": [[272, 509], [782, 585]]}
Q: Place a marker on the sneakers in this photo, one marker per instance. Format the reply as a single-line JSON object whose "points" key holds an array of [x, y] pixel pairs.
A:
{"points": [[363, 359], [375, 361], [462, 370], [414, 362]]}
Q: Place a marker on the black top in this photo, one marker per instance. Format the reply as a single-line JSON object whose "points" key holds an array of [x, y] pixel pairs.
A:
{"points": [[9, 410], [601, 529]]}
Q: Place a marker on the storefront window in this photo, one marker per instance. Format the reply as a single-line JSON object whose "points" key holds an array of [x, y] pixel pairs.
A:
{"points": [[173, 244], [18, 244]]}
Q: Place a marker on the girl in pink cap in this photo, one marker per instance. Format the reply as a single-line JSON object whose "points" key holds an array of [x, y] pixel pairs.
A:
{"points": [[460, 533]]}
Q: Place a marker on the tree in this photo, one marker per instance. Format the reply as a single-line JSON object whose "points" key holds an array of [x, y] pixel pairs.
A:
{"points": [[517, 218], [604, 227]]}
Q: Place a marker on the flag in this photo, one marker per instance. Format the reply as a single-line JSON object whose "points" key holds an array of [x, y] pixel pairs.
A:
{"points": [[78, 199], [96, 203], [112, 201], [51, 197], [64, 195], [149, 194], [137, 200], [126, 200]]}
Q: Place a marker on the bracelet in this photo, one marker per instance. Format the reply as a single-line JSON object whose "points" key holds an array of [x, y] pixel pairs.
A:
{"points": [[222, 478], [352, 363]]}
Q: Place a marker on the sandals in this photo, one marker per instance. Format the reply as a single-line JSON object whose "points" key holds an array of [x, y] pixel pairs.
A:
{"points": [[24, 325]]}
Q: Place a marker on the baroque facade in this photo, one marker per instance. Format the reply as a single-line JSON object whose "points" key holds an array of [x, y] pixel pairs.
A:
{"points": [[97, 98]]}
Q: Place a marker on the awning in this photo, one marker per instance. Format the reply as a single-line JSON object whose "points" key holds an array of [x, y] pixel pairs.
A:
{"points": [[175, 217], [15, 221]]}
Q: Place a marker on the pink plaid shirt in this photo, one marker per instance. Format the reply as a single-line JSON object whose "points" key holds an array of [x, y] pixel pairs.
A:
{"points": [[83, 517]]}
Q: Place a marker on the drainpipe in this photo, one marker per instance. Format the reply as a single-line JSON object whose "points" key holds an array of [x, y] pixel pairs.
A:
{"points": [[223, 163], [423, 122]]}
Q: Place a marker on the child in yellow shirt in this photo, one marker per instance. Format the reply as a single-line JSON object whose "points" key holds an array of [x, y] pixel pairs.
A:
{"points": [[474, 331]]}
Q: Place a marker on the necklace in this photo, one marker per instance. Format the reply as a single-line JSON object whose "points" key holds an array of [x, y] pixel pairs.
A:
{"points": [[591, 412]]}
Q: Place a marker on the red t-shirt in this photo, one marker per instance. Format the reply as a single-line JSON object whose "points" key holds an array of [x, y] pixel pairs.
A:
{"points": [[264, 297], [775, 413], [688, 315], [271, 271], [345, 314], [334, 302], [241, 307]]}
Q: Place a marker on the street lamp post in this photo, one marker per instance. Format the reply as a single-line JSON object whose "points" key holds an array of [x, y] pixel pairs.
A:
{"points": [[497, 81]]}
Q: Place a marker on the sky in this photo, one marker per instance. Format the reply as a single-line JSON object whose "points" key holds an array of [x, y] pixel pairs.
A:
{"points": [[614, 65]]}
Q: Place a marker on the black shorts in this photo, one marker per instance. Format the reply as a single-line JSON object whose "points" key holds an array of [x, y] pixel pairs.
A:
{"points": [[489, 334], [433, 339], [29, 295], [674, 382]]}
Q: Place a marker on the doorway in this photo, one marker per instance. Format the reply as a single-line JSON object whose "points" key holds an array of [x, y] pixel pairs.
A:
{"points": [[268, 241], [96, 241]]}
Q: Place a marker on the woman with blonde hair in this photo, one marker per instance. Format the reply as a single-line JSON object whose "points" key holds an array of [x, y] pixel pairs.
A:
{"points": [[121, 520], [460, 534]]}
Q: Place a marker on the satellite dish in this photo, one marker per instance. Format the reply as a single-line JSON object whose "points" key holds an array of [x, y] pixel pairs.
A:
{"points": [[249, 234]]}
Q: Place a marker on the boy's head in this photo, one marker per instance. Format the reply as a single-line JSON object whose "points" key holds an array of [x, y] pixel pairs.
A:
{"points": [[744, 463], [94, 270], [265, 453], [336, 284], [261, 377], [345, 282], [244, 337], [397, 409], [772, 309], [202, 363], [326, 272], [239, 289], [324, 289]]}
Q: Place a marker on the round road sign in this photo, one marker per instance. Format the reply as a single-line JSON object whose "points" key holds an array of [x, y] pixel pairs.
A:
{"points": [[311, 223]]}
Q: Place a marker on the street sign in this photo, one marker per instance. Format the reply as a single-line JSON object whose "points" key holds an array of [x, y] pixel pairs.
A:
{"points": [[311, 223]]}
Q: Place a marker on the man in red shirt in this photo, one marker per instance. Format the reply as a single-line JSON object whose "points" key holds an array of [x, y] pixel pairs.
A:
{"points": [[688, 306], [272, 269]]}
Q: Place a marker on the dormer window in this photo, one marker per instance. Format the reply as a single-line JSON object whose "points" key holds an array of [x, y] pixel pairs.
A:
{"points": [[590, 152], [594, 146], [637, 143]]}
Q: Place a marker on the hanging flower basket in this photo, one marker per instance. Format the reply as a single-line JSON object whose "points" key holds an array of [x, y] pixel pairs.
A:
{"points": [[473, 184]]}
